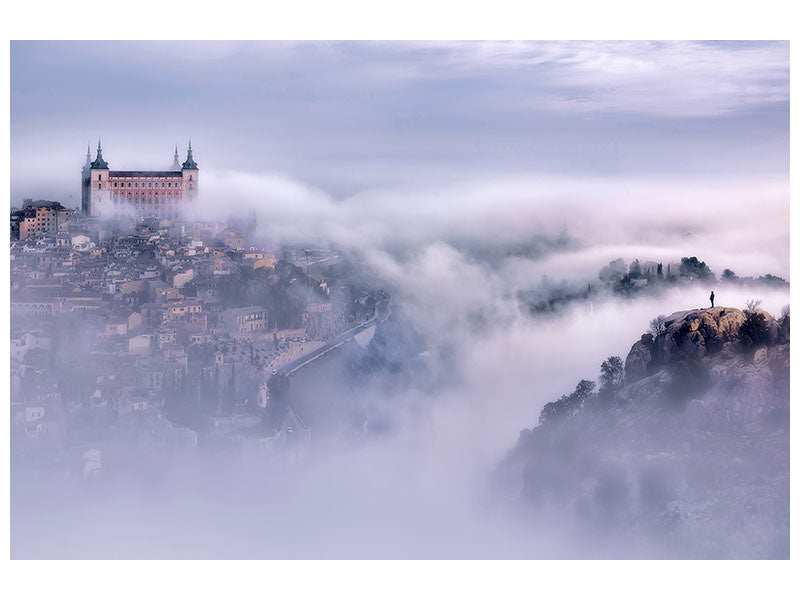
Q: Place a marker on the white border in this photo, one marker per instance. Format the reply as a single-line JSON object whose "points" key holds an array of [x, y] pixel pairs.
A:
{"points": [[413, 19]]}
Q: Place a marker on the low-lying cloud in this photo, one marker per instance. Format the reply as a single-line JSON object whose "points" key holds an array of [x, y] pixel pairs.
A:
{"points": [[730, 224]]}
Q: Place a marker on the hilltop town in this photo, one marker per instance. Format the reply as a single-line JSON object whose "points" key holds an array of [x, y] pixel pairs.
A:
{"points": [[147, 332]]}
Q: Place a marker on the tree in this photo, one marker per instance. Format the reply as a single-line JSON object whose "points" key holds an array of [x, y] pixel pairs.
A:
{"points": [[729, 275], [567, 406], [613, 271], [692, 268], [753, 304], [658, 325], [228, 403], [611, 372]]}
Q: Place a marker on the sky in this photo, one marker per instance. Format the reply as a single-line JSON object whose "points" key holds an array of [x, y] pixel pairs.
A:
{"points": [[350, 117], [376, 145]]}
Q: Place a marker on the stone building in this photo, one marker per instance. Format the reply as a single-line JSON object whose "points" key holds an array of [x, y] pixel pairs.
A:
{"points": [[38, 218], [245, 320], [106, 193]]}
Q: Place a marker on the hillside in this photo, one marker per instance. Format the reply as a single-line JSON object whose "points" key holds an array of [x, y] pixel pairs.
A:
{"points": [[681, 453]]}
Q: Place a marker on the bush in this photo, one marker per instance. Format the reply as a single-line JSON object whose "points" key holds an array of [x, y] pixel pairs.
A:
{"points": [[754, 331]]}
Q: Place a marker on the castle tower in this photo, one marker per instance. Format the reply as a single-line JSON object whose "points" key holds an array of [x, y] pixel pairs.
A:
{"points": [[176, 163], [190, 175], [99, 193]]}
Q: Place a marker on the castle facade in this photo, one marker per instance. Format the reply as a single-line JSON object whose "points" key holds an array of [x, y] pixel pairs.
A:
{"points": [[106, 193]]}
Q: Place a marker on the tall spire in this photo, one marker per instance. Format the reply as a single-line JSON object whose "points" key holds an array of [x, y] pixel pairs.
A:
{"points": [[176, 163], [88, 154], [99, 163], [189, 163]]}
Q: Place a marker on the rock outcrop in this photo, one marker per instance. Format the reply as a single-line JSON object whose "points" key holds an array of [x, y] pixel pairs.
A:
{"points": [[689, 455], [706, 357]]}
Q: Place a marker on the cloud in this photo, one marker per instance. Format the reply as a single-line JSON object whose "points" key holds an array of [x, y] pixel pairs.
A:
{"points": [[736, 224], [666, 79]]}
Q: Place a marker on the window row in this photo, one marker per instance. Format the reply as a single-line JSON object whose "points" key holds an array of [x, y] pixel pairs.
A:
{"points": [[142, 200], [150, 184]]}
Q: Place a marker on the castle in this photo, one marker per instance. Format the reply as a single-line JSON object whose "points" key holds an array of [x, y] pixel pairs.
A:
{"points": [[106, 193]]}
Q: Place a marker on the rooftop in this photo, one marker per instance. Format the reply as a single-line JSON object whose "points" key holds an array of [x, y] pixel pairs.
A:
{"points": [[145, 174]]}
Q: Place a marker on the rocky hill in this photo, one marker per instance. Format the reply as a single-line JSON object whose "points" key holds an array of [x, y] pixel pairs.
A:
{"points": [[682, 453]]}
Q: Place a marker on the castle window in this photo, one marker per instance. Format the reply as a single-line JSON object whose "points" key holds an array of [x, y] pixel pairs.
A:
{"points": [[190, 177], [99, 178]]}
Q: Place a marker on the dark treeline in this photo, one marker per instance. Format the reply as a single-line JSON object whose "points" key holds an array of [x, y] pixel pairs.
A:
{"points": [[630, 280]]}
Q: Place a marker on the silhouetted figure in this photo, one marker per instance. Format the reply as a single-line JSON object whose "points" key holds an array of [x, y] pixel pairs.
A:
{"points": [[712, 298]]}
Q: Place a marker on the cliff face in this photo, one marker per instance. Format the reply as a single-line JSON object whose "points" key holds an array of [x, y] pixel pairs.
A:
{"points": [[729, 368], [687, 457]]}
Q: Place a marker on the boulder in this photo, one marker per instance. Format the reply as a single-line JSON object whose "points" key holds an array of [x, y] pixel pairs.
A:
{"points": [[696, 333], [638, 359], [783, 330]]}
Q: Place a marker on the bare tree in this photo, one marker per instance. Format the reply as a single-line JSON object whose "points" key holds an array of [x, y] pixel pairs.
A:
{"points": [[658, 325], [753, 304]]}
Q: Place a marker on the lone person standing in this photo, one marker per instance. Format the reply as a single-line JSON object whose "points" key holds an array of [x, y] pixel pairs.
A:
{"points": [[712, 298]]}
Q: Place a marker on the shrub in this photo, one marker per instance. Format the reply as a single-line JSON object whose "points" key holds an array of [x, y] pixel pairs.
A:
{"points": [[754, 331]]}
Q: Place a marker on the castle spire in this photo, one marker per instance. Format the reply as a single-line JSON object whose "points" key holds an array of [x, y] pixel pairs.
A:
{"points": [[99, 163], [88, 154], [189, 164], [176, 163]]}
